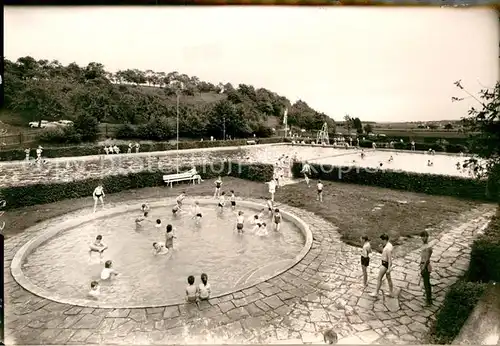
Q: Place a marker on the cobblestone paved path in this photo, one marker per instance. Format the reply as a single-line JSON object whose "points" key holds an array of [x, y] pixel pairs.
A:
{"points": [[323, 290]]}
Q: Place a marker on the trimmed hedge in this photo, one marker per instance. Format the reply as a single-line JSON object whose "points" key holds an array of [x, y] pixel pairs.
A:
{"points": [[415, 182], [484, 265], [458, 304], [86, 150], [22, 196]]}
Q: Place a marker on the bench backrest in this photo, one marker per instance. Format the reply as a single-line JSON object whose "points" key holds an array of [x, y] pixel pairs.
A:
{"points": [[177, 176]]}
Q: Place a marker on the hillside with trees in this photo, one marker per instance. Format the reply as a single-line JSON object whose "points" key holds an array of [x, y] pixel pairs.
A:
{"points": [[143, 104]]}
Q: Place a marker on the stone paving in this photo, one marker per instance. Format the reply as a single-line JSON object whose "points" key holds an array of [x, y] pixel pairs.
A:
{"points": [[324, 290]]}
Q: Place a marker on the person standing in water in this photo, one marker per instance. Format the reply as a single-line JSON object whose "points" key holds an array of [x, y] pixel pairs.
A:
{"points": [[98, 195], [180, 199], [233, 200], [386, 267], [306, 170], [222, 202], [218, 185], [240, 220], [365, 259], [320, 186], [169, 237], [277, 219], [425, 266], [204, 289], [197, 212]]}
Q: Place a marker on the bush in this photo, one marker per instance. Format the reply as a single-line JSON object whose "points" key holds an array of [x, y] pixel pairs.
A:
{"points": [[22, 196], [458, 304], [87, 126], [484, 265], [126, 131], [93, 149], [60, 135], [415, 182]]}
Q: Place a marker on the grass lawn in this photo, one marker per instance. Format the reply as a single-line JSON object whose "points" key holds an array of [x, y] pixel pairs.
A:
{"points": [[351, 208], [347, 206]]}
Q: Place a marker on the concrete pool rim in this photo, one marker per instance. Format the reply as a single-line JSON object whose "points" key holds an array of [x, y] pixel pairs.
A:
{"points": [[52, 231]]}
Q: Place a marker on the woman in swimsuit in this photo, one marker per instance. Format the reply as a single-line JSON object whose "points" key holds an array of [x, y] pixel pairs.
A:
{"points": [[98, 195], [233, 200], [239, 222], [277, 219], [218, 185]]}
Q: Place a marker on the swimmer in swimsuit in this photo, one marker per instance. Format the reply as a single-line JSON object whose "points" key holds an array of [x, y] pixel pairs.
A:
{"points": [[169, 237], [218, 185], [430, 163], [239, 222], [233, 200], [142, 218], [197, 212], [95, 290], [145, 207], [97, 246], [176, 209], [256, 221], [277, 219], [222, 202], [365, 258], [386, 267], [98, 195], [319, 187], [158, 223]]}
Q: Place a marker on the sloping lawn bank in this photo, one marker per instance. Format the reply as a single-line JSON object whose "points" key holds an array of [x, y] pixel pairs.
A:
{"points": [[464, 295]]}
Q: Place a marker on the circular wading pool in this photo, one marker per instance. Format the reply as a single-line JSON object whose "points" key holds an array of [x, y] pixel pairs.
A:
{"points": [[56, 264]]}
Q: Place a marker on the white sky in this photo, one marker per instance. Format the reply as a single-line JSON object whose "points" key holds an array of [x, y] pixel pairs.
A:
{"points": [[380, 64]]}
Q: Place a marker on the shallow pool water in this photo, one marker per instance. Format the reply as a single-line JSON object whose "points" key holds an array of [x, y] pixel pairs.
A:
{"points": [[61, 265]]}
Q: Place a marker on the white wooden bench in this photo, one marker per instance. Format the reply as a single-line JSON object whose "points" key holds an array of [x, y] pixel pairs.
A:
{"points": [[250, 142], [191, 175]]}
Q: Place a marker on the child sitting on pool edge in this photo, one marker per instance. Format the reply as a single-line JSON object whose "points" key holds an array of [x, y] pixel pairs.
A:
{"points": [[191, 290], [204, 288]]}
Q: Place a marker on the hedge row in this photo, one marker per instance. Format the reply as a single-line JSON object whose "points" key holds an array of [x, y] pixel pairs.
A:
{"points": [[409, 181], [459, 302], [464, 295], [22, 196], [94, 149]]}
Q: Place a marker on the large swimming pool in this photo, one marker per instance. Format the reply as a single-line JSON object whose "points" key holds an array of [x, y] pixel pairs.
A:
{"points": [[61, 265]]}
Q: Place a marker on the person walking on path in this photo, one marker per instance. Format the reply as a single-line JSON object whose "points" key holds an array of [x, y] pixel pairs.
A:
{"points": [[386, 267], [425, 266]]}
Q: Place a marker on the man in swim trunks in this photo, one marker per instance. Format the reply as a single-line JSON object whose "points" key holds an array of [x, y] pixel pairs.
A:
{"points": [[319, 187], [425, 266], [386, 267], [239, 222], [306, 170], [218, 185], [98, 195], [233, 200]]}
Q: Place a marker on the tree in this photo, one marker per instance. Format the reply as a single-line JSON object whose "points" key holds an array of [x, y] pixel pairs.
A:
{"points": [[483, 126], [348, 122], [87, 126], [368, 128], [356, 122], [448, 126]]}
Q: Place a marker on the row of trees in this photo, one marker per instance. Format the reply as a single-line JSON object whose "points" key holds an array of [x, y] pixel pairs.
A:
{"points": [[356, 124], [146, 101]]}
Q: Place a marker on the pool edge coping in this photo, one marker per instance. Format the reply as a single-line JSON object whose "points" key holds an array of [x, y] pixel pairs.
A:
{"points": [[25, 250]]}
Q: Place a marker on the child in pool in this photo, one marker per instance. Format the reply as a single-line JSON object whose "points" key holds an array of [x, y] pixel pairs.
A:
{"points": [[95, 290], [169, 237], [270, 207], [180, 199], [142, 218], [158, 223], [108, 272], [240, 219], [204, 288], [97, 246], [145, 207], [277, 219], [233, 200], [159, 249], [176, 209], [222, 202], [262, 230], [191, 290], [197, 212]]}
